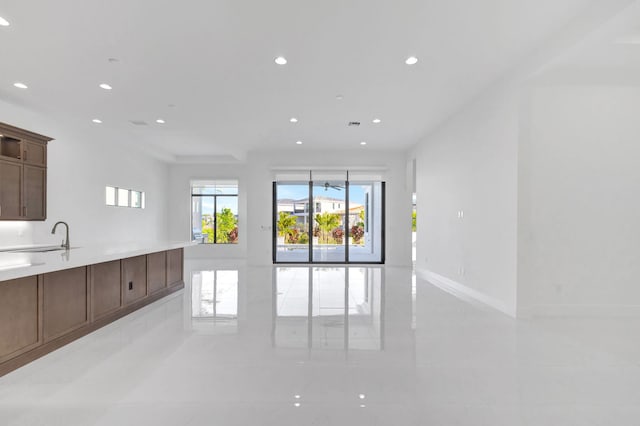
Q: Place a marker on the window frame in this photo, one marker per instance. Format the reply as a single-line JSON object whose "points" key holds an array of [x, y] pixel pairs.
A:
{"points": [[194, 184], [116, 197]]}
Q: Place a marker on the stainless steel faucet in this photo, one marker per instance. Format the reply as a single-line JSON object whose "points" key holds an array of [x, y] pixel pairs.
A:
{"points": [[65, 243]]}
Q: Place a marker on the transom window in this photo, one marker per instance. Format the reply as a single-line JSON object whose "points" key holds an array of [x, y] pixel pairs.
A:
{"points": [[120, 197]]}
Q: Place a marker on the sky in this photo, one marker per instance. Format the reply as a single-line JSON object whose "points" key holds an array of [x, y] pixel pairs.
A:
{"points": [[223, 202], [290, 191], [300, 191]]}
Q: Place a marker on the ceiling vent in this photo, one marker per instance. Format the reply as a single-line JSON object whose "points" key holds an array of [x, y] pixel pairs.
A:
{"points": [[354, 124], [138, 122]]}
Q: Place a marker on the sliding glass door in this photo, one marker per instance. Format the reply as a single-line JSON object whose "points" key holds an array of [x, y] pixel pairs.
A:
{"points": [[291, 222], [366, 221], [329, 232], [328, 221]]}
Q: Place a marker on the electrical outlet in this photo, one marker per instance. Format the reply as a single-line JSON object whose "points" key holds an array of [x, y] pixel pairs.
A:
{"points": [[130, 285]]}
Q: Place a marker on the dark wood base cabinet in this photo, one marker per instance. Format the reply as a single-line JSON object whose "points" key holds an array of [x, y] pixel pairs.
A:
{"points": [[41, 313]]}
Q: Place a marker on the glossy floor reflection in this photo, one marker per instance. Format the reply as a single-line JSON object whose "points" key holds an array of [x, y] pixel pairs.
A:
{"points": [[330, 346]]}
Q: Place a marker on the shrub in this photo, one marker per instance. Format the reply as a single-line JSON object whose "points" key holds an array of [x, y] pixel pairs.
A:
{"points": [[292, 236], [304, 238], [233, 235], [338, 235], [357, 232]]}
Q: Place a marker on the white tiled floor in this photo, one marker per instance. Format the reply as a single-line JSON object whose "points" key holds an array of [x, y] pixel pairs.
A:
{"points": [[354, 363]]}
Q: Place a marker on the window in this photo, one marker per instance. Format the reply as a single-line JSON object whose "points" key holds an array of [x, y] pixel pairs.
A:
{"points": [[214, 212], [111, 196], [124, 197]]}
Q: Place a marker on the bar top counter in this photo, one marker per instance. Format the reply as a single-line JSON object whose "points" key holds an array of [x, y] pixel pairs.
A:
{"points": [[24, 261]]}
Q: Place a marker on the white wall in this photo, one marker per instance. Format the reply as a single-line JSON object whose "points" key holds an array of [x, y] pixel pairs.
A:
{"points": [[81, 161], [580, 201], [181, 176], [469, 165], [255, 199]]}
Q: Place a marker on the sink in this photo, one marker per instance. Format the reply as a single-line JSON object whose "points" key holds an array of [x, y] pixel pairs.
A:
{"points": [[37, 249], [18, 265]]}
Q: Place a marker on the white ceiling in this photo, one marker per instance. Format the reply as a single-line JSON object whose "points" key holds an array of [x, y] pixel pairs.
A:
{"points": [[214, 60]]}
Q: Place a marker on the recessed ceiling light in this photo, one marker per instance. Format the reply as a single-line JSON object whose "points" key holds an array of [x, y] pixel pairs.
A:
{"points": [[299, 143], [411, 60], [297, 404], [339, 97], [362, 396], [293, 120], [97, 121], [296, 396], [281, 60], [160, 121], [363, 143], [376, 121], [20, 85], [4, 22], [105, 86]]}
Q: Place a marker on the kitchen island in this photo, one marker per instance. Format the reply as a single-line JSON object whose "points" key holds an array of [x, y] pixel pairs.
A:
{"points": [[50, 298]]}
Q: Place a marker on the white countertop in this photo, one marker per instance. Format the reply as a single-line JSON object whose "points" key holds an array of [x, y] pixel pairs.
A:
{"points": [[18, 265]]}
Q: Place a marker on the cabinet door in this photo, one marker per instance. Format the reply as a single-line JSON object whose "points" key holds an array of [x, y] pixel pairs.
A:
{"points": [[106, 289], [10, 188], [35, 184], [19, 320], [65, 302], [34, 153], [134, 279], [156, 271], [174, 267]]}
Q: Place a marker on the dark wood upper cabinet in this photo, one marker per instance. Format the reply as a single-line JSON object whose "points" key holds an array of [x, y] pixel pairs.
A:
{"points": [[35, 153], [10, 190], [23, 174], [34, 193]]}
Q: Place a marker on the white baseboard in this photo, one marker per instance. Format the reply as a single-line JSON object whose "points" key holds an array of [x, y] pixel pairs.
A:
{"points": [[577, 311], [463, 292]]}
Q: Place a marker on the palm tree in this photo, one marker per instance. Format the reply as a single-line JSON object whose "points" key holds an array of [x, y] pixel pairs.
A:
{"points": [[285, 222], [327, 222]]}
